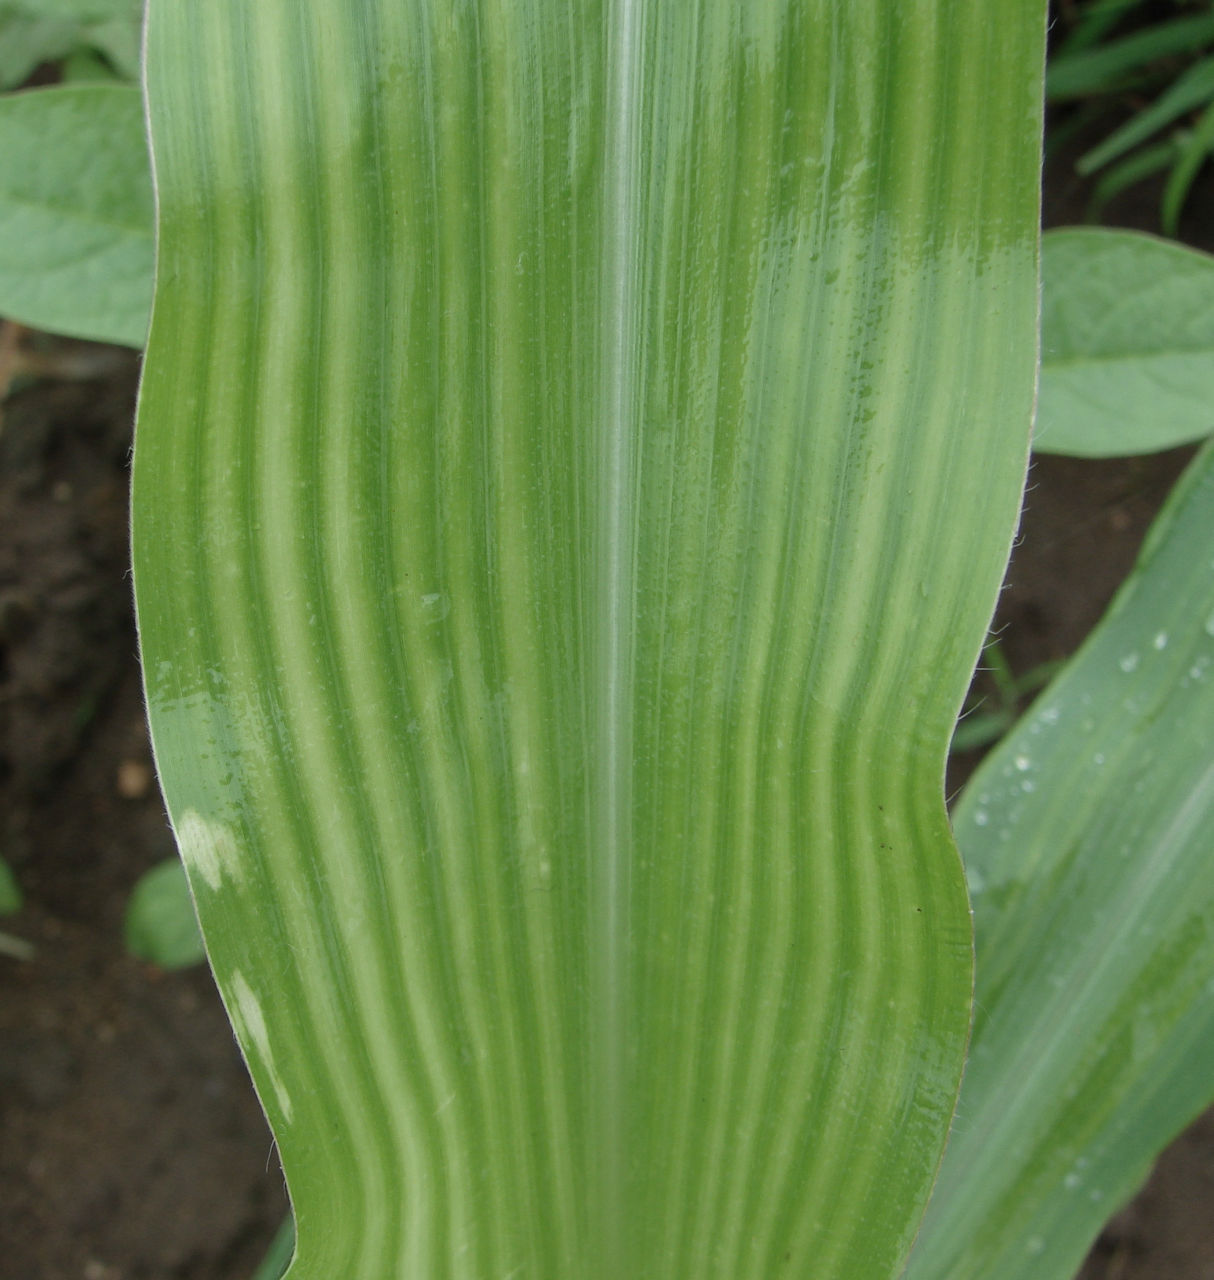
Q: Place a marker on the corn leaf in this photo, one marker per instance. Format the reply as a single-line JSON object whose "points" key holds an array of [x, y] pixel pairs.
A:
{"points": [[578, 450], [1127, 344], [1087, 841], [1107, 67], [76, 212], [1186, 93]]}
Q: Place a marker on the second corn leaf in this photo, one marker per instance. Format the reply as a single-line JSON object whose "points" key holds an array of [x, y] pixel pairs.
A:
{"points": [[1087, 839]]}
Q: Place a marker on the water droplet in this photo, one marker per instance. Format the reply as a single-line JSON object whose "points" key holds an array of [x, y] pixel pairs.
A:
{"points": [[1161, 640], [981, 818], [975, 879], [1071, 1181], [1034, 1245], [1050, 715], [1098, 758], [1128, 663], [1028, 785], [1210, 625], [1023, 763]]}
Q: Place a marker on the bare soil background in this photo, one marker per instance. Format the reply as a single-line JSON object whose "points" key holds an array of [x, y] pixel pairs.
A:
{"points": [[131, 1145]]}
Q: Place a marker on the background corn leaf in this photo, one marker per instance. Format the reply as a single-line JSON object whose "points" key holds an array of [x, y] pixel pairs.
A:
{"points": [[1127, 343], [1087, 839], [578, 450], [1113, 65], [76, 212], [10, 890]]}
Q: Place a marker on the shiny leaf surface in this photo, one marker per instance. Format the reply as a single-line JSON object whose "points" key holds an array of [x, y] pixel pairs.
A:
{"points": [[578, 450]]}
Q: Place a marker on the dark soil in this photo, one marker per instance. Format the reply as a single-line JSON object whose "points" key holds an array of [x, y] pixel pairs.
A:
{"points": [[131, 1145]]}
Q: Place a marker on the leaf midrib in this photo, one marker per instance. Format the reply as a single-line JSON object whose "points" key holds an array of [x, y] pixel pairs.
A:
{"points": [[614, 601]]}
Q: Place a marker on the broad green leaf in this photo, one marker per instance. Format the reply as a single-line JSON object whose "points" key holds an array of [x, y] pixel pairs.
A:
{"points": [[76, 212], [1087, 838], [578, 451], [37, 31], [10, 890], [25, 42], [1127, 344], [80, 11], [160, 925]]}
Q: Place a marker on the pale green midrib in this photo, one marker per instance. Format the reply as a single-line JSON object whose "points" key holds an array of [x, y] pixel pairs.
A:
{"points": [[614, 604]]}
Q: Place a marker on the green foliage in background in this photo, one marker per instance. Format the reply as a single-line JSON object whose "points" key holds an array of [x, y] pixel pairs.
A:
{"points": [[35, 32], [160, 925], [1127, 344], [76, 211], [1111, 56], [10, 891]]}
